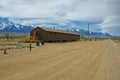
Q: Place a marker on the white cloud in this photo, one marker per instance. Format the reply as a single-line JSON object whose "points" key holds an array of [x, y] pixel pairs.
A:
{"points": [[111, 24], [72, 9], [30, 21]]}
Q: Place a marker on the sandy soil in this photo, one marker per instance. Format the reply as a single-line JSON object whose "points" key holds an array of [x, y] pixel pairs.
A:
{"points": [[95, 60]]}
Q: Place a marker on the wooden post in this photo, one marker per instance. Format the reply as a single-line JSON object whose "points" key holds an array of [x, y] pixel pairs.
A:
{"points": [[30, 43]]}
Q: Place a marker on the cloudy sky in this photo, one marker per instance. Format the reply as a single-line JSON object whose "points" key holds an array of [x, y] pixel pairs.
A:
{"points": [[103, 15]]}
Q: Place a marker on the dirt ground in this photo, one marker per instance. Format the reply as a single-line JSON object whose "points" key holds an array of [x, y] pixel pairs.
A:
{"points": [[95, 60]]}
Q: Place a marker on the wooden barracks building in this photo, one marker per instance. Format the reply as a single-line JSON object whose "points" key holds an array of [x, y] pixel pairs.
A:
{"points": [[52, 35]]}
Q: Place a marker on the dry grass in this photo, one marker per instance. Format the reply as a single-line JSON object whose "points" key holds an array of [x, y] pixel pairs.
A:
{"points": [[116, 40], [11, 43], [87, 60]]}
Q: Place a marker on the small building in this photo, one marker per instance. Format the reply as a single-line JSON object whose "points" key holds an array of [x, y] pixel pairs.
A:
{"points": [[51, 35]]}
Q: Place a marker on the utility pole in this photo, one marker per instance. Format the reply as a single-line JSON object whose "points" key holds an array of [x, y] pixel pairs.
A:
{"points": [[88, 31]]}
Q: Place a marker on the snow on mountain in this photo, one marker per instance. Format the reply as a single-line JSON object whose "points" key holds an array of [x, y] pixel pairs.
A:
{"points": [[85, 33], [3, 25], [6, 24]]}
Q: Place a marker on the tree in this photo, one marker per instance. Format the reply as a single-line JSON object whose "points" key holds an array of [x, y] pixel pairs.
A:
{"points": [[7, 36]]}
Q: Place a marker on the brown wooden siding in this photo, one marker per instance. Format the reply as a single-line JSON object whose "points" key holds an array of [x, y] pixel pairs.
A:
{"points": [[52, 35]]}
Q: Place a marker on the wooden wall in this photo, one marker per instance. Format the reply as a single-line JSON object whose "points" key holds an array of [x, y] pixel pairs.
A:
{"points": [[44, 35]]}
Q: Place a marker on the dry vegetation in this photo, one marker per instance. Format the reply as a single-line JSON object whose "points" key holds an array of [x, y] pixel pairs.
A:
{"points": [[85, 60], [116, 40], [12, 42]]}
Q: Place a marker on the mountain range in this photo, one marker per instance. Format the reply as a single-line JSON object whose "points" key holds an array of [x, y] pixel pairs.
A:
{"points": [[14, 29], [18, 29]]}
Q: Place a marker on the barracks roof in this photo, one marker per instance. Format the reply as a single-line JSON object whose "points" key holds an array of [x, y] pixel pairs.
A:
{"points": [[54, 30]]}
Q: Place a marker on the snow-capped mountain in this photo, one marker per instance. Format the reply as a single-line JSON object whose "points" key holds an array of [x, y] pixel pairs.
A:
{"points": [[16, 29], [85, 33]]}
